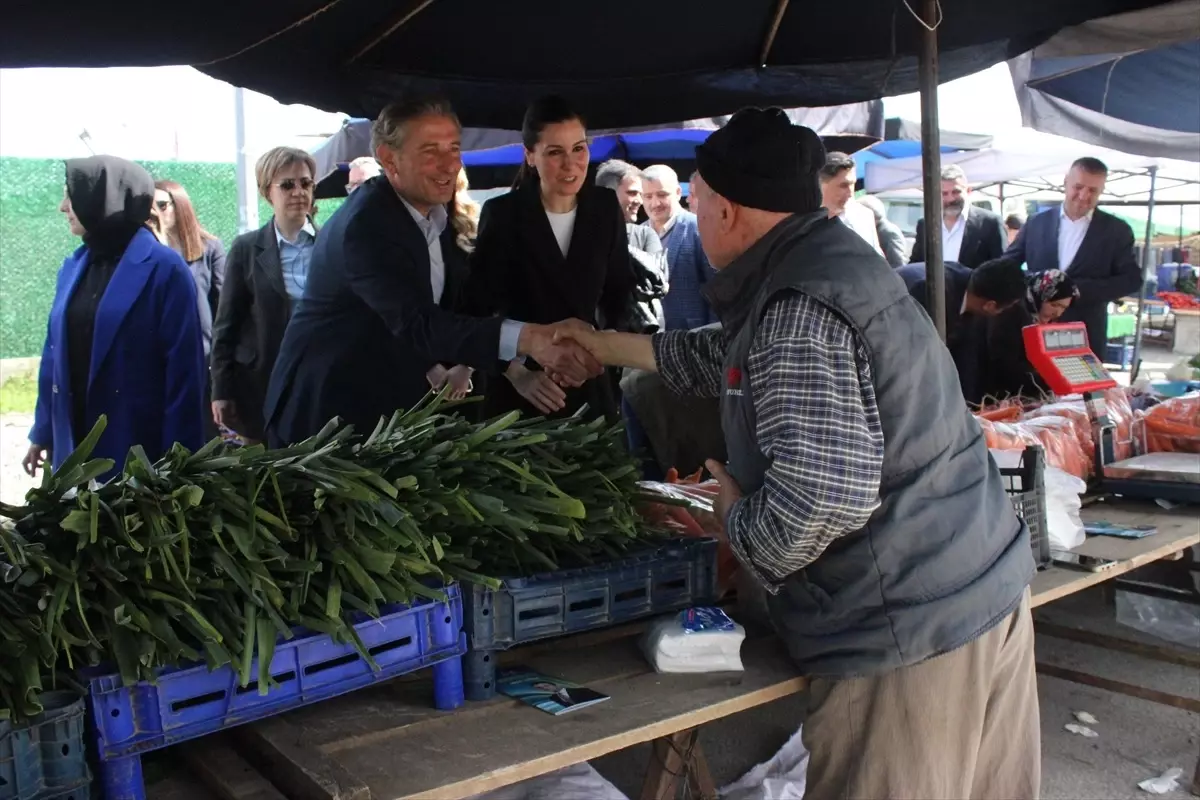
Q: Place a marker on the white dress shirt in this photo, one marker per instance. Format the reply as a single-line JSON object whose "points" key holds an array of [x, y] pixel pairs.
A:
{"points": [[952, 238], [861, 220], [563, 226], [1070, 236], [432, 227]]}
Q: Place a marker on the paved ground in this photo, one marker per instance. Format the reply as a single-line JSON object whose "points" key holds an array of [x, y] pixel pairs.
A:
{"points": [[14, 443]]}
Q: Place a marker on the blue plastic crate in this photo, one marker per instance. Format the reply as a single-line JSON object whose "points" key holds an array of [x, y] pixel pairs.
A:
{"points": [[678, 574], [1118, 353], [45, 758], [187, 703]]}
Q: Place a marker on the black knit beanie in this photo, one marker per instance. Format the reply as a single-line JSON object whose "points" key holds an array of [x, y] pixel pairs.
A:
{"points": [[761, 160]]}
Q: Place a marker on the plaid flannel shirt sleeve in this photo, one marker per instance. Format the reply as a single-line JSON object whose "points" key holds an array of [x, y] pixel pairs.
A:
{"points": [[689, 362], [818, 424]]}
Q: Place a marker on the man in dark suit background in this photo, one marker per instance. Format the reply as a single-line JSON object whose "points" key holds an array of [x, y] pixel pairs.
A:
{"points": [[970, 235], [1093, 247], [972, 296], [386, 275]]}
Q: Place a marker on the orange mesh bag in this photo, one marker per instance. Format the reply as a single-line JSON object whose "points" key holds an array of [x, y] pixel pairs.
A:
{"points": [[1120, 414], [1076, 413], [1058, 438], [1173, 426], [1005, 435]]}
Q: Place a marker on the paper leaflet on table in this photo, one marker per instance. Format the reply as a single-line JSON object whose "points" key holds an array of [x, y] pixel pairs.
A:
{"points": [[552, 695]]}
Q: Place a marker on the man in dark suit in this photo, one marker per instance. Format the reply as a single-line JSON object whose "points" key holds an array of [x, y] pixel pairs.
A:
{"points": [[378, 307], [1094, 248], [972, 296], [970, 235]]}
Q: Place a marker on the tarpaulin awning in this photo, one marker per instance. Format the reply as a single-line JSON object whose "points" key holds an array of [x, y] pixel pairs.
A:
{"points": [[492, 156], [622, 67], [1129, 82]]}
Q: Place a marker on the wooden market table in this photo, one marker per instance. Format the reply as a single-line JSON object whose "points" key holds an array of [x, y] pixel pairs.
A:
{"points": [[387, 742]]}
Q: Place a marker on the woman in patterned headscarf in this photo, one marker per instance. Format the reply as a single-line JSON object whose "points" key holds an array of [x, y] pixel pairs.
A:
{"points": [[1049, 294]]}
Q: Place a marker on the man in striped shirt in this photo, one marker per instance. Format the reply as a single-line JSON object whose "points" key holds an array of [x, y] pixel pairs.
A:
{"points": [[859, 493]]}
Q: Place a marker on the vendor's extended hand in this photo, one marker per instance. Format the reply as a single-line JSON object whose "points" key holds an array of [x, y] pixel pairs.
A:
{"points": [[730, 492], [555, 348]]}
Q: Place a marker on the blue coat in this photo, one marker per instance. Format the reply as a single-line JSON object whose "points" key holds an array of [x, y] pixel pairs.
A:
{"points": [[684, 306], [147, 360]]}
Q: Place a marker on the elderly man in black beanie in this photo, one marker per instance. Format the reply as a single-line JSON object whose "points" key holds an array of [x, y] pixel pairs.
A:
{"points": [[859, 491]]}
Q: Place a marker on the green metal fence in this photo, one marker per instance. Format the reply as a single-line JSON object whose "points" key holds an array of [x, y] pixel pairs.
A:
{"points": [[34, 238]]}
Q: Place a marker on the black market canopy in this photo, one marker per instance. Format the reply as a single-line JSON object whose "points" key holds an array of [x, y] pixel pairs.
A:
{"points": [[622, 66]]}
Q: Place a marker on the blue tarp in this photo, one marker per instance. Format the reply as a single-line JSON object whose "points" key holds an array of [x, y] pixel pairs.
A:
{"points": [[1130, 82], [1158, 88]]}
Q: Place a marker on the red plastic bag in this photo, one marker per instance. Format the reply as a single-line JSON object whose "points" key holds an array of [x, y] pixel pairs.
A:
{"points": [[697, 518]]}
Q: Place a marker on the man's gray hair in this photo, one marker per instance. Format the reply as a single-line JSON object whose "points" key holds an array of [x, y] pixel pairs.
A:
{"points": [[612, 172], [392, 123], [953, 172], [367, 164], [875, 204], [661, 173]]}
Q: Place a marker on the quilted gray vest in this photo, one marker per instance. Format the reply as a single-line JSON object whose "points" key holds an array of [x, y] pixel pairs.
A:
{"points": [[945, 557]]}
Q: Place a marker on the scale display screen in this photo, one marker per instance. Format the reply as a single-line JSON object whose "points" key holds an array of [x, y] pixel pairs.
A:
{"points": [[1061, 355]]}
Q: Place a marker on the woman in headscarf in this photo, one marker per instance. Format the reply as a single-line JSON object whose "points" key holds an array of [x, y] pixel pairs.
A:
{"points": [[1048, 295], [123, 340]]}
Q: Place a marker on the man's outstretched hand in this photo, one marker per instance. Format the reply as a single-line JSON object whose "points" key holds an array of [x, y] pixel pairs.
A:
{"points": [[555, 348]]}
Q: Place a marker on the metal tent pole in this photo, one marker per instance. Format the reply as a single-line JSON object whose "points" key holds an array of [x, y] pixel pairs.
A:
{"points": [[247, 190], [931, 166], [1146, 264]]}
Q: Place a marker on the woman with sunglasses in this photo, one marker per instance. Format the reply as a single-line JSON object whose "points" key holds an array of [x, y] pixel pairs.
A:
{"points": [[265, 274], [179, 229]]}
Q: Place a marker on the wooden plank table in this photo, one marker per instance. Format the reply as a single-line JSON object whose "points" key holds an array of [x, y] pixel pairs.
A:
{"points": [[388, 743], [1177, 531]]}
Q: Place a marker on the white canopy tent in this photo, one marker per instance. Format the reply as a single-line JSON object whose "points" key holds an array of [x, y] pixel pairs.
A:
{"points": [[1015, 155], [1025, 162]]}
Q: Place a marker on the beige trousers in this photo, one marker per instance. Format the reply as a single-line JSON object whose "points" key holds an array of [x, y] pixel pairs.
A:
{"points": [[962, 725]]}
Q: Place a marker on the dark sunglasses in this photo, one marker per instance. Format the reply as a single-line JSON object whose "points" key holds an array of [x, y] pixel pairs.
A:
{"points": [[163, 205], [287, 184]]}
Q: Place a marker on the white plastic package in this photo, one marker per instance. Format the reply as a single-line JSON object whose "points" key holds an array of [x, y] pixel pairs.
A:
{"points": [[1063, 501], [695, 640]]}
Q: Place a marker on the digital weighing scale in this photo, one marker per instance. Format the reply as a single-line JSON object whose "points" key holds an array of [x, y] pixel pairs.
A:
{"points": [[1062, 357]]}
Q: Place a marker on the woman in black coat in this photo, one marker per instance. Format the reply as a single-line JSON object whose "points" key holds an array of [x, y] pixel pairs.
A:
{"points": [[265, 274], [553, 248]]}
